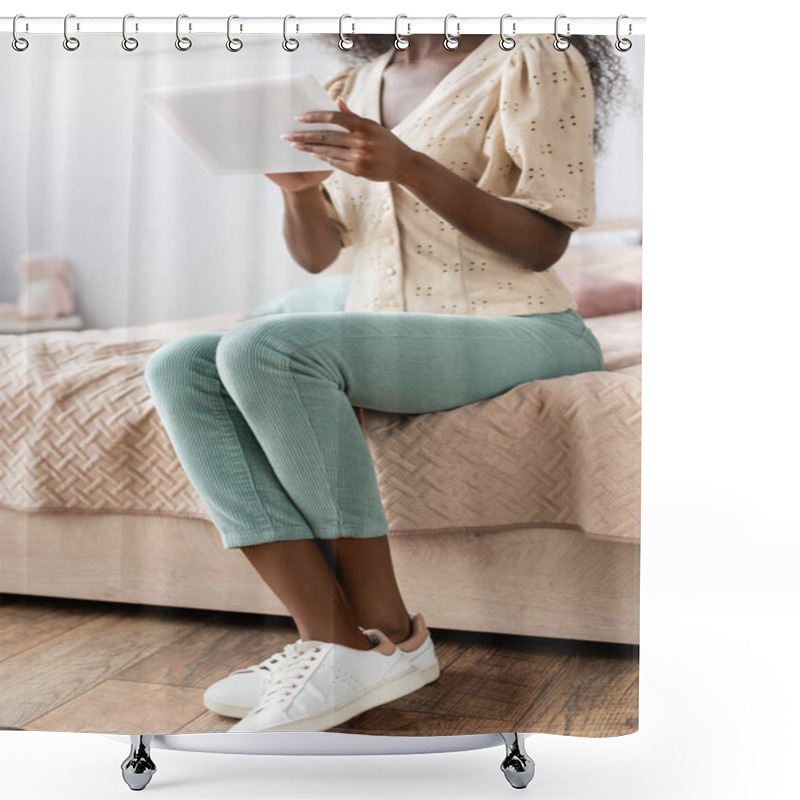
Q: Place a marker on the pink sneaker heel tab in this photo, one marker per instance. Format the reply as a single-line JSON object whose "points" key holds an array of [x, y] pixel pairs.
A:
{"points": [[383, 644], [419, 633]]}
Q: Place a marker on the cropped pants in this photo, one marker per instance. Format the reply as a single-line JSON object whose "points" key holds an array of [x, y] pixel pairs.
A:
{"points": [[261, 416]]}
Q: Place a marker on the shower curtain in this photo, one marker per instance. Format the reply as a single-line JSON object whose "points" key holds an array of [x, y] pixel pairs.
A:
{"points": [[333, 432]]}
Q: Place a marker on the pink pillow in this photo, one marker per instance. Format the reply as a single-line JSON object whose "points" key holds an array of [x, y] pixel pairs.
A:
{"points": [[598, 295]]}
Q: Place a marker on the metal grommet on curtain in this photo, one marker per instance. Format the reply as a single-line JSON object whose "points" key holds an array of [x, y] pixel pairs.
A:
{"points": [[507, 42], [451, 42], [623, 45], [183, 43], [401, 42], [234, 45], [345, 42], [18, 42], [129, 43], [560, 42], [289, 44], [70, 42]]}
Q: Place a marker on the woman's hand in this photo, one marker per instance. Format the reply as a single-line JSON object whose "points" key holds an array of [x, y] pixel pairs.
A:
{"points": [[365, 149], [298, 181]]}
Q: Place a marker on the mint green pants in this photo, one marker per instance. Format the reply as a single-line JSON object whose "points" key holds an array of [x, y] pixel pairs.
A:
{"points": [[261, 416]]}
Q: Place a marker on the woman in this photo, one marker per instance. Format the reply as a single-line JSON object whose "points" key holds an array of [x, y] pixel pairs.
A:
{"points": [[450, 187]]}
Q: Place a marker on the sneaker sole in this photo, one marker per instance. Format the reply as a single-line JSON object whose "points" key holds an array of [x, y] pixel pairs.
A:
{"points": [[429, 674], [226, 710], [400, 686]]}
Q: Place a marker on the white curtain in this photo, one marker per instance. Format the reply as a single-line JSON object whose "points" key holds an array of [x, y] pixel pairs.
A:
{"points": [[92, 174]]}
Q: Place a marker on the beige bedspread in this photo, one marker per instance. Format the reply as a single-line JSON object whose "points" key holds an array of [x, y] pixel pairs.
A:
{"points": [[78, 432]]}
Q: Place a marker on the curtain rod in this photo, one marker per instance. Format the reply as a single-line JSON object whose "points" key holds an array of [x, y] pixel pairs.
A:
{"points": [[350, 25]]}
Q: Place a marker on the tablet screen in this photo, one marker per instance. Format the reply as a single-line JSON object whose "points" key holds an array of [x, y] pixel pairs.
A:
{"points": [[234, 128]]}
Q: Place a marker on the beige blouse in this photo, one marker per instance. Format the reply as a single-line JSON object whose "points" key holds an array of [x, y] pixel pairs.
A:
{"points": [[517, 124]]}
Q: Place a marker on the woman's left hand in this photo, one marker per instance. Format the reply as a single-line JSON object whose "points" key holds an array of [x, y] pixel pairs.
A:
{"points": [[365, 149]]}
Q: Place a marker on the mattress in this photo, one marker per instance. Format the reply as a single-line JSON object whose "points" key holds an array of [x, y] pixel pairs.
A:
{"points": [[79, 432]]}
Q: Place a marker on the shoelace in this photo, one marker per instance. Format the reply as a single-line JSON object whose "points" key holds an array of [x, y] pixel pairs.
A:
{"points": [[272, 664], [293, 669]]}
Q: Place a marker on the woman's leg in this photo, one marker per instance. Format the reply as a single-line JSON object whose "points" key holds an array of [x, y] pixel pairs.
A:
{"points": [[228, 468], [295, 378], [214, 443], [299, 574], [365, 572], [375, 600]]}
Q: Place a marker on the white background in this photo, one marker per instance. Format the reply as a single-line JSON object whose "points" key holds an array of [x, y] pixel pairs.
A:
{"points": [[719, 696]]}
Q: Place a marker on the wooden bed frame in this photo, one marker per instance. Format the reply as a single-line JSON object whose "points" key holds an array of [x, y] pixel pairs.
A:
{"points": [[526, 581]]}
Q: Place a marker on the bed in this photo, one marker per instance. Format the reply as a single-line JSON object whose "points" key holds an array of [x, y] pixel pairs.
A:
{"points": [[529, 499]]}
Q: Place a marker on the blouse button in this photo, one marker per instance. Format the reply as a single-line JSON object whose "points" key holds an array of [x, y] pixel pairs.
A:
{"points": [[390, 270]]}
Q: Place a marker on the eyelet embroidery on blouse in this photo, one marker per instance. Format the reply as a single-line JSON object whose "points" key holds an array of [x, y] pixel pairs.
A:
{"points": [[513, 160]]}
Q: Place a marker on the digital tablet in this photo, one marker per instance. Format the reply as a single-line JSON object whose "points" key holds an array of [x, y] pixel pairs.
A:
{"points": [[234, 128]]}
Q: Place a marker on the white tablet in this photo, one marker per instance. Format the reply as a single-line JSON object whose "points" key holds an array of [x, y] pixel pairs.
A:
{"points": [[234, 128]]}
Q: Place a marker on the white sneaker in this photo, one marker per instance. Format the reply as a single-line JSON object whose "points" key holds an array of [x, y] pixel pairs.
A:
{"points": [[239, 693], [323, 684]]}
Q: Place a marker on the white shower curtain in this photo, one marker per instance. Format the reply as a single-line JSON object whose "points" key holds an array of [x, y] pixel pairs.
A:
{"points": [[513, 519]]}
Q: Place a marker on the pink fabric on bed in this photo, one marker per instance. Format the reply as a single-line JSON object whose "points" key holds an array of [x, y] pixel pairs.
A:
{"points": [[599, 295]]}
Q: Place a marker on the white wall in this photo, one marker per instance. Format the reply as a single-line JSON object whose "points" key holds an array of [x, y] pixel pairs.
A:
{"points": [[92, 174]]}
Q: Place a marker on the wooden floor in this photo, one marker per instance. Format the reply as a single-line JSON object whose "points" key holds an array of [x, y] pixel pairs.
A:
{"points": [[117, 668]]}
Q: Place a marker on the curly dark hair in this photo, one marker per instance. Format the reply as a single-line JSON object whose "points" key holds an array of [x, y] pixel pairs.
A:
{"points": [[609, 81]]}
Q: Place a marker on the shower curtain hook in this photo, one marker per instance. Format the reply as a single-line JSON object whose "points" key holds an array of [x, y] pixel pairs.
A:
{"points": [[623, 45], [70, 42], [234, 45], [18, 42], [183, 43], [451, 42], [507, 42], [290, 44], [345, 42], [129, 43], [401, 42], [560, 43]]}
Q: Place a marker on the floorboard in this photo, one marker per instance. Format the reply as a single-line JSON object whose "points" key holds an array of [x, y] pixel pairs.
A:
{"points": [[84, 666]]}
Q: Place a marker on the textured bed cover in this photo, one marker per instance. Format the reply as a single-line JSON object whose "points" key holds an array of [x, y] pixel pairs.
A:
{"points": [[79, 432]]}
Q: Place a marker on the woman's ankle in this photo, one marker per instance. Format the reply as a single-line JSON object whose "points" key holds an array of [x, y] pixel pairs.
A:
{"points": [[397, 635]]}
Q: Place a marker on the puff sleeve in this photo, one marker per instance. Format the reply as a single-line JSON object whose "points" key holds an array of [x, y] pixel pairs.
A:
{"points": [[336, 85], [539, 143]]}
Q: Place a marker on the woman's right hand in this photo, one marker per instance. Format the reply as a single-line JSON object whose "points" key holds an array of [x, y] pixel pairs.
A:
{"points": [[298, 181]]}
